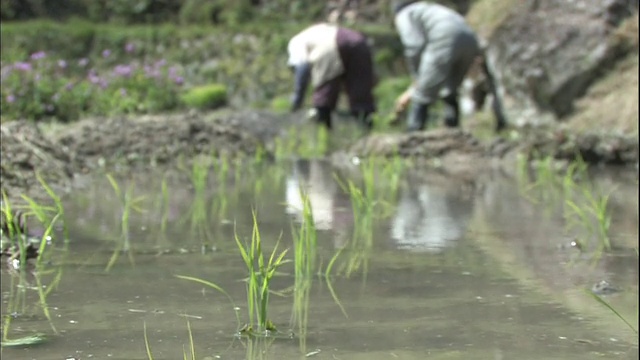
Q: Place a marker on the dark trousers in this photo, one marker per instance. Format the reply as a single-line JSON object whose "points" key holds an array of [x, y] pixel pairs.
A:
{"points": [[358, 78]]}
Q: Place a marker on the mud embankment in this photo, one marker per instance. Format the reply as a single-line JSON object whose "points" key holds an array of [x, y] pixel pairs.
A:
{"points": [[133, 144]]}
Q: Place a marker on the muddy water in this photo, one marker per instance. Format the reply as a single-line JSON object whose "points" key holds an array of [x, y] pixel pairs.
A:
{"points": [[481, 268]]}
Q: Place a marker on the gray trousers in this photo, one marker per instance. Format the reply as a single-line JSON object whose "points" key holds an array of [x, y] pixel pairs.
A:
{"points": [[443, 65]]}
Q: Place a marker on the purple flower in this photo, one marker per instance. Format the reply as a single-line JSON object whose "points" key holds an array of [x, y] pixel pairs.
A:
{"points": [[22, 66], [106, 53], [83, 62], [69, 86], [179, 80], [103, 83], [93, 77], [123, 70], [129, 47], [38, 55], [11, 98], [161, 63], [123, 92], [62, 64], [151, 72]]}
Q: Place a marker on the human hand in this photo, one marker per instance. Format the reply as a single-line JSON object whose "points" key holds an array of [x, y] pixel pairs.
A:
{"points": [[403, 101]]}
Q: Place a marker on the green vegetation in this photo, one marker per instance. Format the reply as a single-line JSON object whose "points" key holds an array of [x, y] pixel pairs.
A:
{"points": [[260, 273], [128, 204], [22, 245], [206, 96]]}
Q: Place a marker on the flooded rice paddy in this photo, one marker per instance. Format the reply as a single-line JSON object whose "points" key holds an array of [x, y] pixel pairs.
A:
{"points": [[407, 264]]}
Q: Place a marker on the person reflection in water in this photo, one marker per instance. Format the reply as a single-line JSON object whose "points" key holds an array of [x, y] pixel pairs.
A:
{"points": [[331, 209], [431, 216]]}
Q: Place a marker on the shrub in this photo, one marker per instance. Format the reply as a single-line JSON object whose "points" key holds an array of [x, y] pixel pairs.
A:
{"points": [[206, 97]]}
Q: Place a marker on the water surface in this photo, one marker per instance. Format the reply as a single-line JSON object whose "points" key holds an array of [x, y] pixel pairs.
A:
{"points": [[450, 268]]}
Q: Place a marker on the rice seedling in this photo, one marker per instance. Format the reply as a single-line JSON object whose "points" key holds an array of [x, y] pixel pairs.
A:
{"points": [[187, 354], [363, 205], [198, 214], [58, 204], [329, 281], [392, 171], [215, 287], [220, 203], [257, 348], [128, 204], [604, 303], [546, 180], [162, 204], [14, 233], [261, 273], [305, 256], [592, 215]]}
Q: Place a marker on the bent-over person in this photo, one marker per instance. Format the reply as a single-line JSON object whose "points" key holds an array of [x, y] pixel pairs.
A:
{"points": [[439, 48], [330, 57]]}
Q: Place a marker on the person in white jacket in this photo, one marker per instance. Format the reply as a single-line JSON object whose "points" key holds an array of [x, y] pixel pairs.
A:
{"points": [[330, 57], [440, 48]]}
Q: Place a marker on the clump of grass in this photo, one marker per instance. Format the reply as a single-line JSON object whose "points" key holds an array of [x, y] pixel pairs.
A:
{"points": [[261, 273], [128, 204], [210, 96]]}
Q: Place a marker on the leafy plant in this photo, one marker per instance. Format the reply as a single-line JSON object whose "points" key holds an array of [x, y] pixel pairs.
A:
{"points": [[261, 273]]}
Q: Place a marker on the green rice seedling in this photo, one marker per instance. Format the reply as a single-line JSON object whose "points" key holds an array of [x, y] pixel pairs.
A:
{"points": [[361, 243], [547, 179], [604, 303], [14, 236], [260, 156], [128, 204], [162, 203], [592, 216], [16, 304], [192, 348], [329, 279], [261, 273], [257, 348], [58, 204], [146, 341], [191, 355], [198, 213], [219, 204], [393, 171], [43, 214], [305, 258], [215, 287]]}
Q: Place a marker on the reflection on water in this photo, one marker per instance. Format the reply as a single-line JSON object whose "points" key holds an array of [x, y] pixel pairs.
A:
{"points": [[431, 215], [458, 270]]}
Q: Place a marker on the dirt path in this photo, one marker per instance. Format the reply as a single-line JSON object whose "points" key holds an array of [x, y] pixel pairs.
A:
{"points": [[59, 153]]}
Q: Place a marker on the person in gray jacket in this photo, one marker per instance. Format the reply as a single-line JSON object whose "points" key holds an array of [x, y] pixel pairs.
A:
{"points": [[329, 57], [440, 48]]}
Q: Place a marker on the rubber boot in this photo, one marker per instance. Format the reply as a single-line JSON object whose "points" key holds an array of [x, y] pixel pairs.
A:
{"points": [[363, 118], [417, 116], [324, 116], [451, 112]]}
